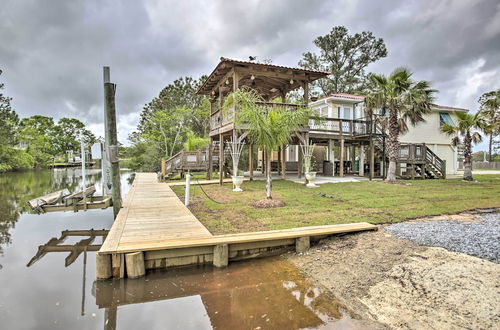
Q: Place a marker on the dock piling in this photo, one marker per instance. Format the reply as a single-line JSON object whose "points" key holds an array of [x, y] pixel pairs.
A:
{"points": [[302, 244], [221, 255], [135, 264]]}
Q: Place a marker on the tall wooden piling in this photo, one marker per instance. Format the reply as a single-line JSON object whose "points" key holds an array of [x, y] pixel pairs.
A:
{"points": [[111, 139]]}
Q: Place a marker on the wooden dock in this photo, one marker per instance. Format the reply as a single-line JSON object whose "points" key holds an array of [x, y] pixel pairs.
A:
{"points": [[155, 230]]}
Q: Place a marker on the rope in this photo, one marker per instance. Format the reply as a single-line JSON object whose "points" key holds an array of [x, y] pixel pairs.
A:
{"points": [[210, 198]]}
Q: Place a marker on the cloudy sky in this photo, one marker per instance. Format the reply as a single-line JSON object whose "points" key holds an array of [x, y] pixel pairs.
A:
{"points": [[52, 51]]}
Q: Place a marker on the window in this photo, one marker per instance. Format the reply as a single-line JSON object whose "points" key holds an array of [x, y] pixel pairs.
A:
{"points": [[347, 113], [445, 118], [324, 112]]}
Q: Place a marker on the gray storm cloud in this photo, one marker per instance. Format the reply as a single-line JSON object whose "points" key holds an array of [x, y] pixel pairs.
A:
{"points": [[52, 52]]}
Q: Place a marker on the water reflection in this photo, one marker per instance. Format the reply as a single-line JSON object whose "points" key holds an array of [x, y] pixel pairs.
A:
{"points": [[17, 188], [267, 293], [259, 294]]}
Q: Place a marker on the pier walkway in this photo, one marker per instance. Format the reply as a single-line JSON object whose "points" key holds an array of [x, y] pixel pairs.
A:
{"points": [[155, 230]]}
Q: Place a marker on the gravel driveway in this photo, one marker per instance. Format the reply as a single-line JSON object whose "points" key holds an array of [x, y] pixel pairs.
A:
{"points": [[479, 237]]}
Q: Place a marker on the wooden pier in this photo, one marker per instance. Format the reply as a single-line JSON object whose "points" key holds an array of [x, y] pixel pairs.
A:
{"points": [[155, 230]]}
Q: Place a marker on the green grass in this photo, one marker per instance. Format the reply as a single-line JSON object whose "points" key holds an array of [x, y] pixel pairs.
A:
{"points": [[337, 203]]}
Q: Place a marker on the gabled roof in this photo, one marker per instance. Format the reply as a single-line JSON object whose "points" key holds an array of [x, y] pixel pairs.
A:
{"points": [[226, 64]]}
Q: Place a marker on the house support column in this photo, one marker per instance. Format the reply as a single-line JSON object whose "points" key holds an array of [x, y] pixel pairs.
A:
{"points": [[283, 162], [299, 161], [279, 161], [221, 159], [342, 151], [250, 161], [353, 157], [210, 169], [361, 160], [372, 159]]}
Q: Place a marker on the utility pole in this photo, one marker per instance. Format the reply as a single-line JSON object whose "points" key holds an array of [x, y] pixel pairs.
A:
{"points": [[111, 139]]}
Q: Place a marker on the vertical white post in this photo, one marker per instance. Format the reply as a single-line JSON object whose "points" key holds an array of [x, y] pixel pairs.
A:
{"points": [[188, 184], [84, 184]]}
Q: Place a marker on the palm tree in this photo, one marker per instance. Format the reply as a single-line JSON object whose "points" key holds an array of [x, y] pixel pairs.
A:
{"points": [[466, 127], [405, 99], [490, 107], [269, 127]]}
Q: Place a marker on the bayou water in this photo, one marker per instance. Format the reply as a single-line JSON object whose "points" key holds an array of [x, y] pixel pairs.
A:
{"points": [[261, 294]]}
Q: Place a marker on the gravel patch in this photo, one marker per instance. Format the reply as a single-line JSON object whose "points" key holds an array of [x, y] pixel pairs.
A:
{"points": [[479, 238]]}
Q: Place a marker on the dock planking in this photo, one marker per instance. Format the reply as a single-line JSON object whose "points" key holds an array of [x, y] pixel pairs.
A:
{"points": [[155, 223]]}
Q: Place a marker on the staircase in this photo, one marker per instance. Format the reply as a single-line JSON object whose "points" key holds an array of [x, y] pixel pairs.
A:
{"points": [[415, 161]]}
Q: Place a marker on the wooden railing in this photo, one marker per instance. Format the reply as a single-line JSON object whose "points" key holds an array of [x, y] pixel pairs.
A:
{"points": [[186, 160]]}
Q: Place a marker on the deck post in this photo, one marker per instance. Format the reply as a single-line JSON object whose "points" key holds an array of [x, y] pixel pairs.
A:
{"points": [[283, 162], [210, 157], [353, 158], [103, 266], [361, 160], [250, 161], [135, 264], [221, 255], [302, 244], [279, 161], [341, 169], [372, 159], [299, 161], [221, 159]]}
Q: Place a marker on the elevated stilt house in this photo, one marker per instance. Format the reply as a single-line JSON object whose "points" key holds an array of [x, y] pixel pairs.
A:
{"points": [[273, 81], [348, 141]]}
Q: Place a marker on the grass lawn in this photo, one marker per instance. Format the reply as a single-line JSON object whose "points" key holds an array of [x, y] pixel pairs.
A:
{"points": [[337, 203]]}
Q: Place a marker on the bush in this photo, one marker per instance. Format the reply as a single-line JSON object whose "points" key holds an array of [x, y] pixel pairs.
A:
{"points": [[16, 159]]}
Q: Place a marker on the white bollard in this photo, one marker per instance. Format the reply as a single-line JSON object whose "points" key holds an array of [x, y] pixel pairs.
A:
{"points": [[188, 184]]}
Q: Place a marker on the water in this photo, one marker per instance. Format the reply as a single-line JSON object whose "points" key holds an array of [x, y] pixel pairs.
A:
{"points": [[260, 294]]}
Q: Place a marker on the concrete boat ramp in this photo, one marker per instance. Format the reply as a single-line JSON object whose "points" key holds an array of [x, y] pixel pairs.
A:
{"points": [[155, 230]]}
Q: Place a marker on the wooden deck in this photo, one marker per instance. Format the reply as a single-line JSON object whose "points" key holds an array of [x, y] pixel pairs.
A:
{"points": [[151, 212], [155, 230]]}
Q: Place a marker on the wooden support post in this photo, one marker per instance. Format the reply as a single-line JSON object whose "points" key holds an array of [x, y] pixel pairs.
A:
{"points": [[283, 162], [250, 161], [302, 244], [342, 151], [221, 159], [279, 161], [362, 160], [300, 161], [353, 157], [103, 266], [210, 160], [372, 159], [111, 138], [118, 265], [135, 264], [221, 255], [110, 318]]}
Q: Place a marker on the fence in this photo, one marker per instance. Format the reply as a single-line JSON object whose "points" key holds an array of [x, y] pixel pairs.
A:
{"points": [[482, 165]]}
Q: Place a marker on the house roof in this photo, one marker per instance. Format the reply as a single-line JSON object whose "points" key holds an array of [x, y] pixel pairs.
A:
{"points": [[445, 107], [361, 98], [226, 64]]}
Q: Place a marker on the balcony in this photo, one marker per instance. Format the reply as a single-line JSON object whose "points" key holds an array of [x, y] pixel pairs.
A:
{"points": [[221, 122]]}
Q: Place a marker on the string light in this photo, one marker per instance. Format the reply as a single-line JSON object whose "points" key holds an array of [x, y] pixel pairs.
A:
{"points": [[252, 77], [291, 81]]}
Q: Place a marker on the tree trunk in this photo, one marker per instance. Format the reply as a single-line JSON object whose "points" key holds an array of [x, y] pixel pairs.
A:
{"points": [[468, 157], [393, 145], [491, 148], [269, 181]]}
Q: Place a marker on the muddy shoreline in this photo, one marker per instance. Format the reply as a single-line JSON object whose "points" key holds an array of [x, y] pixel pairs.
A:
{"points": [[404, 285]]}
